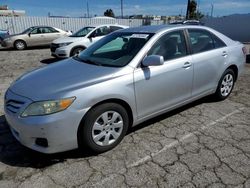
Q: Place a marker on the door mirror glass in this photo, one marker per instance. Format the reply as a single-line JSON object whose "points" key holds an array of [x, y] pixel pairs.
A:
{"points": [[153, 60]]}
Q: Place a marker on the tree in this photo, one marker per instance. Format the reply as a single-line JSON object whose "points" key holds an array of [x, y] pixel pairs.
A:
{"points": [[109, 13], [192, 12]]}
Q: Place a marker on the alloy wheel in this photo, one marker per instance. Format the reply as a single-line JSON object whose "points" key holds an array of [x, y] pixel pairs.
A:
{"points": [[107, 128], [227, 85]]}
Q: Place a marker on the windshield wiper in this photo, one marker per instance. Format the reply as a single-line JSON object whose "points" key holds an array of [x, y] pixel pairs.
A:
{"points": [[88, 61]]}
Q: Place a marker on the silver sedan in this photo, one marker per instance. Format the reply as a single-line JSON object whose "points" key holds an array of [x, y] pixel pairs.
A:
{"points": [[128, 77]]}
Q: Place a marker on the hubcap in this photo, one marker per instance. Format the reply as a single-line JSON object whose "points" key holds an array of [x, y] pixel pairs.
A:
{"points": [[226, 85], [107, 128], [20, 45]]}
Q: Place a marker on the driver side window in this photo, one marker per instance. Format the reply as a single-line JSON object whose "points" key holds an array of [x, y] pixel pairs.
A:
{"points": [[36, 31], [170, 46], [101, 31]]}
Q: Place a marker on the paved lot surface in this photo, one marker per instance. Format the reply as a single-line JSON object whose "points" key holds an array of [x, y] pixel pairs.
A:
{"points": [[205, 144]]}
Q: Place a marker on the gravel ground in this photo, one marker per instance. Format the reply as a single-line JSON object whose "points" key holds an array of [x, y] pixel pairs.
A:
{"points": [[204, 144]]}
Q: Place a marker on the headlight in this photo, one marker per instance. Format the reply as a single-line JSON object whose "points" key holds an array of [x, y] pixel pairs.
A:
{"points": [[64, 44], [47, 107]]}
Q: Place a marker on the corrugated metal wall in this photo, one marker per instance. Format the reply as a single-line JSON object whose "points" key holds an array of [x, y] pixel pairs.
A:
{"points": [[18, 24], [236, 27]]}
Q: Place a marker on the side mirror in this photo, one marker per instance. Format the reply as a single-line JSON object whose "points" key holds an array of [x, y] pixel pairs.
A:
{"points": [[29, 34], [153, 60]]}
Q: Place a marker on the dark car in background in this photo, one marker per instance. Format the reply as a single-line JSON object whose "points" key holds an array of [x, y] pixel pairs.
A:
{"points": [[3, 34]]}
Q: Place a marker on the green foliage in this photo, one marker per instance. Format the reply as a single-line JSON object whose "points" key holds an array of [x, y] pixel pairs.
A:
{"points": [[109, 13], [193, 13]]}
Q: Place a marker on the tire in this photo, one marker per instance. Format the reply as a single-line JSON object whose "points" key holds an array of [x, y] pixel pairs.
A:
{"points": [[103, 127], [76, 51], [20, 45], [226, 85]]}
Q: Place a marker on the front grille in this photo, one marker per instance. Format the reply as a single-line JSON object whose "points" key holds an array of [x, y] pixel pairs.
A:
{"points": [[14, 105], [53, 47]]}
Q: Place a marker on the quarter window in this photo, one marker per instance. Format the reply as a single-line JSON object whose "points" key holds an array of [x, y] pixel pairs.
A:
{"points": [[170, 46]]}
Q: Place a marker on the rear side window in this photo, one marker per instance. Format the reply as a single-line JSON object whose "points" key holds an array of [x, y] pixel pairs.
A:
{"points": [[202, 41], [52, 30]]}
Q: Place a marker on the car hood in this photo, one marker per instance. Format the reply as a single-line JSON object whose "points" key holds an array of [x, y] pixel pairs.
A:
{"points": [[14, 35], [68, 39], [59, 79]]}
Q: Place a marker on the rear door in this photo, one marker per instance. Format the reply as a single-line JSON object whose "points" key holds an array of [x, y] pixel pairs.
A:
{"points": [[209, 59], [49, 34]]}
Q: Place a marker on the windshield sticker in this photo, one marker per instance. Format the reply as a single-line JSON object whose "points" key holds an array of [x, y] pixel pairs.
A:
{"points": [[142, 36]]}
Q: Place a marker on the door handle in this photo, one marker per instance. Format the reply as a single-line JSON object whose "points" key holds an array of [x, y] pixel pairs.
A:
{"points": [[187, 65], [224, 54]]}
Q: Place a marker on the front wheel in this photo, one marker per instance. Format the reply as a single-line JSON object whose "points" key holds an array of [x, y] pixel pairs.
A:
{"points": [[20, 45], [76, 51], [225, 85], [104, 127]]}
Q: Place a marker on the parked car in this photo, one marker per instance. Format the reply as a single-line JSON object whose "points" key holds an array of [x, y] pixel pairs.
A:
{"points": [[34, 36], [120, 81], [3, 34], [80, 40]]}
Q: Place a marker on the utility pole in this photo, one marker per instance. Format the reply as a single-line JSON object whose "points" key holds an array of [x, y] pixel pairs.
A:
{"points": [[88, 8], [212, 10], [122, 8], [188, 10]]}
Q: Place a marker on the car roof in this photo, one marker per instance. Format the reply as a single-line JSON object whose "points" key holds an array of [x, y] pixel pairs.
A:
{"points": [[159, 28]]}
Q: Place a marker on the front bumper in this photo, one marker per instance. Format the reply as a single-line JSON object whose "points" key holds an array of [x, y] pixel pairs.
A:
{"points": [[59, 129], [7, 44], [59, 52]]}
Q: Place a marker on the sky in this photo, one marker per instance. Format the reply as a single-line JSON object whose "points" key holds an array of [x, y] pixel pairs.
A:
{"points": [[77, 8]]}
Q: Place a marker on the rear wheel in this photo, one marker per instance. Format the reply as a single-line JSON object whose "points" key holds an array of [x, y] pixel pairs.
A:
{"points": [[103, 127], [20, 45], [225, 85]]}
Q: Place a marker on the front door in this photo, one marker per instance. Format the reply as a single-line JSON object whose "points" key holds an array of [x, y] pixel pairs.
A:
{"points": [[160, 87]]}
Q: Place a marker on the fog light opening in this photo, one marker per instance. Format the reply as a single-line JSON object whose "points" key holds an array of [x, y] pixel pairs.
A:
{"points": [[43, 142]]}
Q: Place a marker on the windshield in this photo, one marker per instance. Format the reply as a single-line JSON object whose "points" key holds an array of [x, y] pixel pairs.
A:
{"points": [[82, 32], [27, 30], [115, 50]]}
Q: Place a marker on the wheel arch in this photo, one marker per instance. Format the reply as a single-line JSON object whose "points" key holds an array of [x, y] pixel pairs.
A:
{"points": [[235, 70], [112, 100]]}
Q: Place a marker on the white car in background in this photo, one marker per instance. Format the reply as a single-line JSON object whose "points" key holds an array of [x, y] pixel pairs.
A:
{"points": [[80, 40]]}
